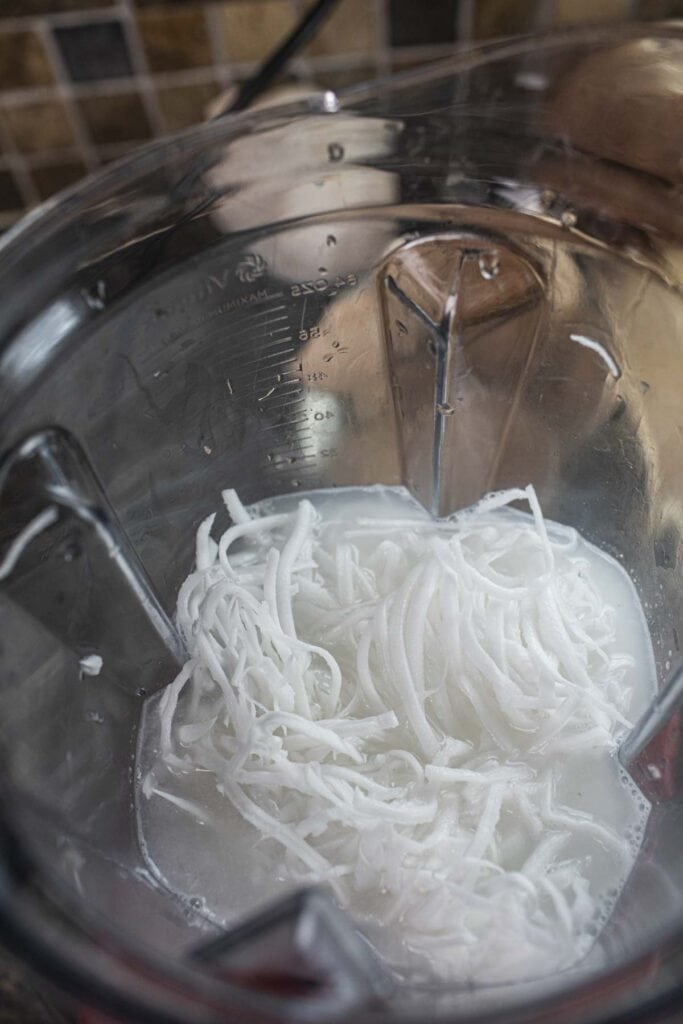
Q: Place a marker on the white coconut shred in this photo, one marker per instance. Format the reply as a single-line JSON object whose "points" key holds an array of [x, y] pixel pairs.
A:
{"points": [[407, 709]]}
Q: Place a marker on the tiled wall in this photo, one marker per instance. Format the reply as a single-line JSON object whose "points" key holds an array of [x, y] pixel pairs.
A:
{"points": [[84, 81]]}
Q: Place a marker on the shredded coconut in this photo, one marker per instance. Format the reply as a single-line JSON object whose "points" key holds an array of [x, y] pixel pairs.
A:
{"points": [[91, 665], [380, 715]]}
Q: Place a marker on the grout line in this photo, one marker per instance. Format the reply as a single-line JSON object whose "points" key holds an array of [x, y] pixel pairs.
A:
{"points": [[382, 45], [219, 51], [111, 86], [433, 51], [464, 21], [22, 22], [101, 87], [208, 74], [189, 76], [64, 92], [342, 61], [17, 165], [546, 14], [301, 66], [141, 77], [39, 94]]}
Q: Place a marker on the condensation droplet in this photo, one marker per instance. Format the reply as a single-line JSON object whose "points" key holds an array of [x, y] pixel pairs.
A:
{"points": [[444, 409], [335, 151], [568, 219], [94, 716], [330, 102], [141, 692], [489, 265], [331, 240], [196, 903], [72, 550], [296, 483], [95, 297]]}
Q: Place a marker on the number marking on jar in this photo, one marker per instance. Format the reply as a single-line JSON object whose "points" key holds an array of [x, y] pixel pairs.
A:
{"points": [[323, 285]]}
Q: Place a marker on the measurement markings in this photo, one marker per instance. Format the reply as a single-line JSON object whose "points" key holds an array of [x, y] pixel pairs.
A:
{"points": [[284, 460], [267, 333], [237, 324], [255, 347], [263, 358], [260, 325], [284, 423], [298, 435], [271, 355], [245, 336], [256, 373], [256, 350], [278, 380], [299, 391], [294, 444], [283, 405], [299, 466], [296, 384], [292, 448], [270, 391], [284, 362]]}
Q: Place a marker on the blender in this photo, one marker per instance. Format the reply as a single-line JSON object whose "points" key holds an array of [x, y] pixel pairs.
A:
{"points": [[458, 280]]}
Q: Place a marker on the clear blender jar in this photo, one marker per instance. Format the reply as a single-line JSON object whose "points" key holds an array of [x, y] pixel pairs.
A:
{"points": [[458, 280]]}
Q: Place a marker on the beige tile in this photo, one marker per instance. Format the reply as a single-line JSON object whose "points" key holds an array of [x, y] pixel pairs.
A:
{"points": [[574, 11], [37, 127], [118, 117], [184, 105], [254, 28], [653, 9], [22, 8], [23, 61], [54, 177], [10, 196], [344, 78], [175, 38], [351, 28], [494, 18]]}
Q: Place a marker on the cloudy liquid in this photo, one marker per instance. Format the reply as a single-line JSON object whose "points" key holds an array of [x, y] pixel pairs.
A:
{"points": [[222, 865]]}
